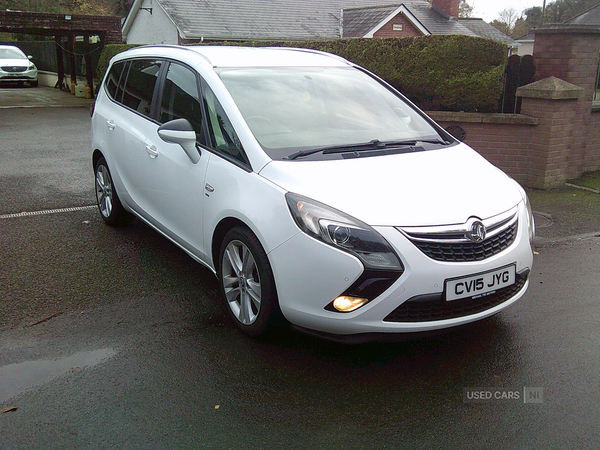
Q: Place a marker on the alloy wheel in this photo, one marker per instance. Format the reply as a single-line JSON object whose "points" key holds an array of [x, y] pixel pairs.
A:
{"points": [[104, 190], [241, 282]]}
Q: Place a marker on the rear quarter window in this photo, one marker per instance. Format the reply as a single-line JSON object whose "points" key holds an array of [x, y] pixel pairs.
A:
{"points": [[136, 85], [112, 80]]}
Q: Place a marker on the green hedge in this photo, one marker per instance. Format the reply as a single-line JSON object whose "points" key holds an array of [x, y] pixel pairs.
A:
{"points": [[438, 73], [108, 52]]}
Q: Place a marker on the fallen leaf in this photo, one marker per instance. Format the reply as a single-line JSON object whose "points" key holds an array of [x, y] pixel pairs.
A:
{"points": [[8, 409], [217, 406]]}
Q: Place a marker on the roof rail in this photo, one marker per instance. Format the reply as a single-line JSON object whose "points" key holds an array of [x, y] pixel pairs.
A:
{"points": [[180, 47]]}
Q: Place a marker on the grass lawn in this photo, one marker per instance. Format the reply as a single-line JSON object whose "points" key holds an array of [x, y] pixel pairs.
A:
{"points": [[590, 180]]}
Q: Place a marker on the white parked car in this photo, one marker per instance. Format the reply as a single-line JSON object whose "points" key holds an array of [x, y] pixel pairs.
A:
{"points": [[317, 194], [15, 66]]}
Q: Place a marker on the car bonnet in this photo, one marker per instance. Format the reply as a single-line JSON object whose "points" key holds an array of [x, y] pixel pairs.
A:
{"points": [[436, 187]]}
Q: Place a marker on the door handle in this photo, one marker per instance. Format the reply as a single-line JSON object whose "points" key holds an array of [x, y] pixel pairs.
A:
{"points": [[209, 188], [111, 124], [152, 151]]}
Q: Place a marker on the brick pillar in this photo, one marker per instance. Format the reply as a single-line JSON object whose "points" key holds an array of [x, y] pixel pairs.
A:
{"points": [[556, 104], [571, 53]]}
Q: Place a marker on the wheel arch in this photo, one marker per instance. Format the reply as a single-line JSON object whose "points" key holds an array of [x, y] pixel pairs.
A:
{"points": [[96, 155], [219, 233]]}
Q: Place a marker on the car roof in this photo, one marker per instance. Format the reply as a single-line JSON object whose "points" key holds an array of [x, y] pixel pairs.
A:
{"points": [[14, 47], [231, 56]]}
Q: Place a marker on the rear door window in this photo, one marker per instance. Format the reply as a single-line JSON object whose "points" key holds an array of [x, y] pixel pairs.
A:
{"points": [[141, 82], [181, 98]]}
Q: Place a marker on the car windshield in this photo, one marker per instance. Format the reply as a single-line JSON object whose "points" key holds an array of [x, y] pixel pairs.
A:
{"points": [[299, 110], [11, 53]]}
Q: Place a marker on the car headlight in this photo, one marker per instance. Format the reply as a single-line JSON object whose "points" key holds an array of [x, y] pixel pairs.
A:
{"points": [[31, 66], [530, 219], [344, 232], [529, 210]]}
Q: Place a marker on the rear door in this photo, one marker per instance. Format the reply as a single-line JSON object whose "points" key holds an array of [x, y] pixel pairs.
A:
{"points": [[129, 126]]}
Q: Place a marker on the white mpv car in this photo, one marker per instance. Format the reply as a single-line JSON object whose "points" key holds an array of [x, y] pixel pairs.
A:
{"points": [[318, 195], [15, 66]]}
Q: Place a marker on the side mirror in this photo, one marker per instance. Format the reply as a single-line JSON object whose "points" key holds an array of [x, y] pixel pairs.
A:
{"points": [[457, 132], [29, 57], [180, 131]]}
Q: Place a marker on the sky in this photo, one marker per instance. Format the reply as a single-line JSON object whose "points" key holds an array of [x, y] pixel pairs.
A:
{"points": [[489, 10]]}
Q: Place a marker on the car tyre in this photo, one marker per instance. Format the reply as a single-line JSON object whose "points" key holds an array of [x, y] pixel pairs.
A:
{"points": [[109, 205], [247, 284]]}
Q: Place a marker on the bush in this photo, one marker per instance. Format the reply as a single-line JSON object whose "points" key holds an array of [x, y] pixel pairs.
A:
{"points": [[108, 52], [439, 73]]}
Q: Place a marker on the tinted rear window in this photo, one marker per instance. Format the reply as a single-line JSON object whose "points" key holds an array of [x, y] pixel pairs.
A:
{"points": [[141, 81], [112, 80]]}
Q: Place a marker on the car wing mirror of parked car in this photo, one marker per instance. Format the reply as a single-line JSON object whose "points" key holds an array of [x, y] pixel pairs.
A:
{"points": [[457, 132], [180, 131]]}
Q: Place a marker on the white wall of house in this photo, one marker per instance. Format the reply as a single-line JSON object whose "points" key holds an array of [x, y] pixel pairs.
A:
{"points": [[526, 48], [155, 28]]}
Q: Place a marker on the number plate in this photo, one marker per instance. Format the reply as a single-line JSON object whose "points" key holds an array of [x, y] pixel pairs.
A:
{"points": [[480, 284]]}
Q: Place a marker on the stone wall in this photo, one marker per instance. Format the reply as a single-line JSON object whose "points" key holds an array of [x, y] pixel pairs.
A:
{"points": [[503, 139]]}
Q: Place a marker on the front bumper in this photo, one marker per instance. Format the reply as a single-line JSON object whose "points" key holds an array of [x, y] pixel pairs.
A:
{"points": [[26, 75], [310, 274]]}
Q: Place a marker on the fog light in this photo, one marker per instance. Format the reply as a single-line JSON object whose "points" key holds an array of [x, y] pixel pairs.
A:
{"points": [[348, 304]]}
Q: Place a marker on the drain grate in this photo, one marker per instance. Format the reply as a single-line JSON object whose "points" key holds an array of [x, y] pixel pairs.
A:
{"points": [[47, 211]]}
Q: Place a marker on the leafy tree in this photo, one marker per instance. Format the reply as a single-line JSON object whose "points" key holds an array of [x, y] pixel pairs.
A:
{"points": [[465, 9], [533, 16], [86, 7], [560, 11], [506, 21], [521, 28], [501, 26]]}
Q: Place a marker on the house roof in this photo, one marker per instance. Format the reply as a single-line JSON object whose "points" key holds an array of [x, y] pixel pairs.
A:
{"points": [[360, 22], [589, 17], [305, 19], [357, 22], [529, 37], [484, 29], [254, 19]]}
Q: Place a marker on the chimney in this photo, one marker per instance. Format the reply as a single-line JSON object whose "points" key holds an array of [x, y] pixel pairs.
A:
{"points": [[449, 7]]}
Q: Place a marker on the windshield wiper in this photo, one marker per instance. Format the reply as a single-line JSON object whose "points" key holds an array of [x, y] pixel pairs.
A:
{"points": [[375, 144]]}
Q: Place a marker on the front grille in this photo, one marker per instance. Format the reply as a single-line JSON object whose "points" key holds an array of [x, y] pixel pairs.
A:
{"points": [[469, 251], [12, 69], [436, 308]]}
